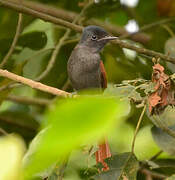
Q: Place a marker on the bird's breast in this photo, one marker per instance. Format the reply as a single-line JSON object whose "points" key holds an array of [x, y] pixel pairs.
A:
{"points": [[84, 69]]}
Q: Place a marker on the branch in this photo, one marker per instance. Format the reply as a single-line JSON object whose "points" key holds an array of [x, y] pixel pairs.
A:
{"points": [[20, 8], [34, 84], [18, 31], [29, 101], [144, 51], [149, 26], [70, 16], [59, 45]]}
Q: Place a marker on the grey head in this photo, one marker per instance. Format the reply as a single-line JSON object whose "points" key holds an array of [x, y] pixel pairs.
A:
{"points": [[95, 37]]}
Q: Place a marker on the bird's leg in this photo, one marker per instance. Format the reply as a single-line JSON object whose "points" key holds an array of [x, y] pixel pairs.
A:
{"points": [[103, 153]]}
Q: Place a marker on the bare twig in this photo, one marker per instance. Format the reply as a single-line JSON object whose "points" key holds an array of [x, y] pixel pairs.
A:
{"points": [[20, 8], [53, 57], [153, 174], [33, 84], [70, 16], [2, 131], [168, 29], [156, 155], [137, 128], [66, 85], [59, 45], [29, 101], [144, 51], [149, 26], [16, 37], [78, 28]]}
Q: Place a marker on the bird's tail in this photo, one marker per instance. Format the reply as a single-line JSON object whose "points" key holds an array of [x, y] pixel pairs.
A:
{"points": [[103, 153]]}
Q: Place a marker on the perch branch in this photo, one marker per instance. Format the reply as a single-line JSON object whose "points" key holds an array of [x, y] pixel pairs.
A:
{"points": [[16, 37], [33, 84]]}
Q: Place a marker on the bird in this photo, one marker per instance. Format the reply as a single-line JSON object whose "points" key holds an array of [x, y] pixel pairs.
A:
{"points": [[86, 71]]}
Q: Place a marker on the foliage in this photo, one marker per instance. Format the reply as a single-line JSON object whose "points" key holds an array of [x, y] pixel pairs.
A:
{"points": [[60, 135]]}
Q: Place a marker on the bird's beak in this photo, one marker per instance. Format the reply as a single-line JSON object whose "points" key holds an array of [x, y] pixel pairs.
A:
{"points": [[108, 38]]}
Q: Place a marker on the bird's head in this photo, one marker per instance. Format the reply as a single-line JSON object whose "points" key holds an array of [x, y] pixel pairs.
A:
{"points": [[95, 37]]}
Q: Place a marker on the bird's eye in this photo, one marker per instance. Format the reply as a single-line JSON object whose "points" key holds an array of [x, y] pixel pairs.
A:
{"points": [[94, 37]]}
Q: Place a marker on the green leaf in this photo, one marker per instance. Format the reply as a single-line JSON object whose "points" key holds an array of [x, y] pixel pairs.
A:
{"points": [[34, 40], [165, 166], [120, 165], [171, 178], [124, 92], [163, 140], [145, 146], [70, 123], [12, 149]]}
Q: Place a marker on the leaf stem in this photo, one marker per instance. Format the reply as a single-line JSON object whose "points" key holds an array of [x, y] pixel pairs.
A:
{"points": [[137, 128], [13, 45]]}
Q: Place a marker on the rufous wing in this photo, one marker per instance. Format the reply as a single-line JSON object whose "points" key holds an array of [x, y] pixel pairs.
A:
{"points": [[103, 75]]}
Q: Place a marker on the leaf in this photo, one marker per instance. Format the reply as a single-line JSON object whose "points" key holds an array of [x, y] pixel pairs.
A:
{"points": [[145, 146], [171, 178], [33, 40], [12, 150], [125, 93], [170, 47], [70, 123], [163, 94], [165, 166], [163, 140], [121, 165]]}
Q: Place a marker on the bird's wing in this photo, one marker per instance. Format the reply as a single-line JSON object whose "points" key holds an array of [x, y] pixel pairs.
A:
{"points": [[103, 75]]}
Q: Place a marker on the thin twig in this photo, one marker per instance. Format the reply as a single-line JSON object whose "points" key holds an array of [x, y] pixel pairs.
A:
{"points": [[3, 131], [66, 85], [53, 57], [70, 16], [153, 174], [13, 45], [149, 26], [59, 45], [43, 16], [156, 155], [29, 101], [137, 128], [33, 84], [80, 28], [144, 51], [168, 29]]}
